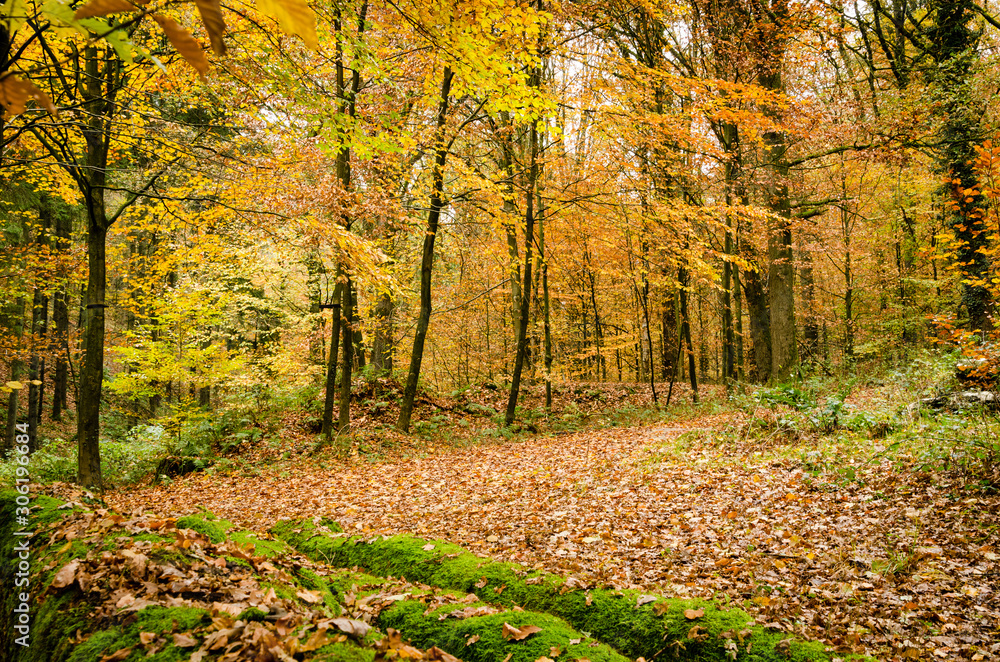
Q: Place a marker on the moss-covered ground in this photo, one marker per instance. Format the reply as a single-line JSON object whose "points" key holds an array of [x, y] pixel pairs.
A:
{"points": [[633, 624], [107, 586]]}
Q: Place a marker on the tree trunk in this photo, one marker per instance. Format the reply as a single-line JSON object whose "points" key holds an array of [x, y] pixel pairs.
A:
{"points": [[60, 315], [382, 342], [331, 364], [781, 267], [15, 317], [682, 279], [427, 257], [810, 327], [345, 372], [529, 228], [760, 324]]}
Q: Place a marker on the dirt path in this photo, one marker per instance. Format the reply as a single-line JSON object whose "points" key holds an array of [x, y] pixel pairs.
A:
{"points": [[899, 568]]}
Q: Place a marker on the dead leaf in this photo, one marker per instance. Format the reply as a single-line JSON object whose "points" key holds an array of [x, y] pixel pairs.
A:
{"points": [[184, 640], [312, 597], [352, 627], [644, 600], [471, 640], [147, 638], [511, 633], [66, 575], [118, 655], [692, 614]]}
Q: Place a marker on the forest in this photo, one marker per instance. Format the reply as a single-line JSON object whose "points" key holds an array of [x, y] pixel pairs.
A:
{"points": [[500, 329]]}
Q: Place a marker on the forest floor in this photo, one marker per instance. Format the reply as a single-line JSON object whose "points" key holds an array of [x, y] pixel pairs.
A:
{"points": [[840, 538]]}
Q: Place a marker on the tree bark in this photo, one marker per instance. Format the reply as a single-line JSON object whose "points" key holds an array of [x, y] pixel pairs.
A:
{"points": [[529, 228], [427, 256]]}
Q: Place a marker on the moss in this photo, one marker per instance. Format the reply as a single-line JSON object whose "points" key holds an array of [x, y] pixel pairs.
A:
{"points": [[262, 547], [252, 614], [344, 652], [611, 616], [215, 530], [426, 630], [310, 580], [161, 620]]}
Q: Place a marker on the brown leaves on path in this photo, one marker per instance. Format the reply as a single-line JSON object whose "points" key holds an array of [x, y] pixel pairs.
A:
{"points": [[846, 562]]}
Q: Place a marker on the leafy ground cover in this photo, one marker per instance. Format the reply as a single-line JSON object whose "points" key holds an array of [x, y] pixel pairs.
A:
{"points": [[137, 587], [861, 532]]}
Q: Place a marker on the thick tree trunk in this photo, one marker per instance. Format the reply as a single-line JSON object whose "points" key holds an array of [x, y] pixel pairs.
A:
{"points": [[760, 324], [92, 369], [954, 45], [427, 257]]}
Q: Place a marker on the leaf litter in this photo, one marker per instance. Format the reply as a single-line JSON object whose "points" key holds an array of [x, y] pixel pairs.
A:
{"points": [[900, 565]]}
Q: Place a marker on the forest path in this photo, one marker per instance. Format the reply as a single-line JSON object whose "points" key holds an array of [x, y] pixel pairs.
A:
{"points": [[867, 558]]}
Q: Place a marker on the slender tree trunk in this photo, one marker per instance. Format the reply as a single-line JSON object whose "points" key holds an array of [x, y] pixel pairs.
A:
{"points": [[382, 342], [332, 357], [15, 317], [345, 378], [529, 228], [359, 341], [60, 315], [810, 327], [427, 258], [682, 278]]}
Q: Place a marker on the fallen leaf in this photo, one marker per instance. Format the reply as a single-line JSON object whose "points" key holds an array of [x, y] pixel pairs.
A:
{"points": [[66, 575], [471, 640], [184, 640], [692, 614], [352, 627], [510, 632]]}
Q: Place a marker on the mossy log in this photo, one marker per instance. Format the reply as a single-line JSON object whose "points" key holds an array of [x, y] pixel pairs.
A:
{"points": [[632, 623]]}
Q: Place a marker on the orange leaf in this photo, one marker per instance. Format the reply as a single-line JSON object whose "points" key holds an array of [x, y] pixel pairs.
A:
{"points": [[215, 25], [15, 93], [103, 8], [692, 614], [185, 44]]}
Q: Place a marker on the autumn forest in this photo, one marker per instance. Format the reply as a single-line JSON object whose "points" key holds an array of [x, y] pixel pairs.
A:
{"points": [[705, 290]]}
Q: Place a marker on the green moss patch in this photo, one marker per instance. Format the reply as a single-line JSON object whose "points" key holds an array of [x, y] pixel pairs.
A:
{"points": [[213, 529], [481, 638], [613, 617]]}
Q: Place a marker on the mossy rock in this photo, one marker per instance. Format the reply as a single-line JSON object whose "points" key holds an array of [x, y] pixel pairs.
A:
{"points": [[613, 617]]}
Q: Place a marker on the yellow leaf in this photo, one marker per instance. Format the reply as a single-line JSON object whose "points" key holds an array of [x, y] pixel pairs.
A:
{"points": [[215, 25], [14, 385], [294, 17], [103, 8], [185, 44]]}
